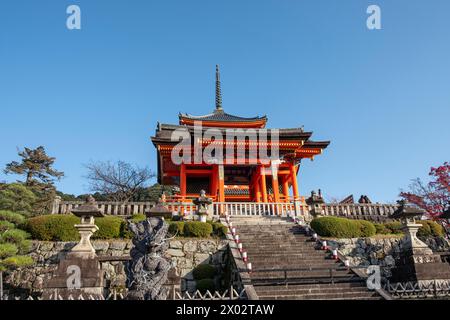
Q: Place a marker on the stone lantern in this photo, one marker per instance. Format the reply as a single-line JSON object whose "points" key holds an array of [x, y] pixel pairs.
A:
{"points": [[79, 272], [315, 202], [416, 262], [87, 212], [408, 214], [202, 203]]}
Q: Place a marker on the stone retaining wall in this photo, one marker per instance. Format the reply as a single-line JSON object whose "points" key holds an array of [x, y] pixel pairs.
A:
{"points": [[380, 251], [185, 254]]}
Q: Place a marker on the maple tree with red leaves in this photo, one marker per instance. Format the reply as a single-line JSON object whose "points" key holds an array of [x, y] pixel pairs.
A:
{"points": [[434, 196]]}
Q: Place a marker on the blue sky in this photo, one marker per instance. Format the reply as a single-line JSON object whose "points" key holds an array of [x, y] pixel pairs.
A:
{"points": [[382, 97]]}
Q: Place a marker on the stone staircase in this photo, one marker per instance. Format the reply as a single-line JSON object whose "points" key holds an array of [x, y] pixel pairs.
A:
{"points": [[277, 244]]}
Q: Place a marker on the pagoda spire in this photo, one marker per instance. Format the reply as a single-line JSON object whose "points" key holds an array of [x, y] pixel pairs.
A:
{"points": [[218, 92]]}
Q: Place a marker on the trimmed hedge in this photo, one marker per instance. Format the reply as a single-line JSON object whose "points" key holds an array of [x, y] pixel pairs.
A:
{"points": [[138, 217], [197, 229], [53, 227], [109, 228], [336, 227], [430, 229], [204, 271], [394, 227], [205, 285], [366, 228], [218, 228], [176, 228], [61, 228]]}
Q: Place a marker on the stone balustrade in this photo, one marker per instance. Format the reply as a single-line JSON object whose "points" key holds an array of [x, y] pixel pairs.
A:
{"points": [[366, 211]]}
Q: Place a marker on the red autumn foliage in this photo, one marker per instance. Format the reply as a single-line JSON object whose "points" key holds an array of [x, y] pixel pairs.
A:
{"points": [[434, 197]]}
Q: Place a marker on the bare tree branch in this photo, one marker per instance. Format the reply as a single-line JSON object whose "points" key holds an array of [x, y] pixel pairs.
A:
{"points": [[120, 181]]}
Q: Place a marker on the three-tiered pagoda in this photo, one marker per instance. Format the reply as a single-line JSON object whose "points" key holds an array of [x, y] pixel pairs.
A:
{"points": [[234, 180]]}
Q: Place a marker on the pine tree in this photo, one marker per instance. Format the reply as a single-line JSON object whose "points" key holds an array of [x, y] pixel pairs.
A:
{"points": [[36, 166]]}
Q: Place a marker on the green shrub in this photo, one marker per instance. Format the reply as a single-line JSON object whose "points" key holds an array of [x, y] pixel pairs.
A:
{"points": [[12, 217], [394, 227], [6, 225], [430, 229], [197, 229], [203, 271], [14, 235], [7, 250], [53, 227], [218, 228], [109, 228], [205, 285], [138, 217], [61, 228], [367, 229], [381, 228], [17, 261], [176, 228], [336, 227]]}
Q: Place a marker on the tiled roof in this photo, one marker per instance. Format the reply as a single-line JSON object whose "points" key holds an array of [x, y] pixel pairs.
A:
{"points": [[220, 116]]}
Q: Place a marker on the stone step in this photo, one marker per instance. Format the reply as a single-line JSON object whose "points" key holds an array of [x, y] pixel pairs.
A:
{"points": [[322, 296], [280, 290]]}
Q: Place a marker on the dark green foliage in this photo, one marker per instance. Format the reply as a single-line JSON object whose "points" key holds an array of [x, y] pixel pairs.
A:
{"points": [[53, 227], [109, 228], [197, 229], [15, 236], [12, 217], [6, 225], [61, 228], [394, 227], [176, 228], [336, 227], [367, 229], [430, 229], [16, 262], [206, 285], [218, 228], [35, 165], [17, 198], [138, 217], [204, 271], [381, 229]]}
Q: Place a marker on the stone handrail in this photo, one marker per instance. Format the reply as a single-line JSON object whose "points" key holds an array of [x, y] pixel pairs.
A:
{"points": [[374, 212], [366, 211], [120, 208]]}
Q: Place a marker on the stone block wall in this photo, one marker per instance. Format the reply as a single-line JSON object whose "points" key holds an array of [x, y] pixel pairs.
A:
{"points": [[185, 255], [380, 251]]}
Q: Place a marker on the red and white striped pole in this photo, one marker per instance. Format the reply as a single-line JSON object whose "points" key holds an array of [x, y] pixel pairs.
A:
{"points": [[324, 245], [335, 254], [233, 231], [240, 247], [236, 238], [244, 256], [249, 267]]}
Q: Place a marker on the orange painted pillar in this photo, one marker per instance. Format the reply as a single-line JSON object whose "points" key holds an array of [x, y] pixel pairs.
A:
{"points": [[286, 189], [214, 177], [183, 181], [275, 185], [257, 189], [294, 181], [263, 184], [221, 177]]}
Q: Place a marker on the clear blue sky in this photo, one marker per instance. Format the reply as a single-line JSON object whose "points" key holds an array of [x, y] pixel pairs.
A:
{"points": [[381, 97]]}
